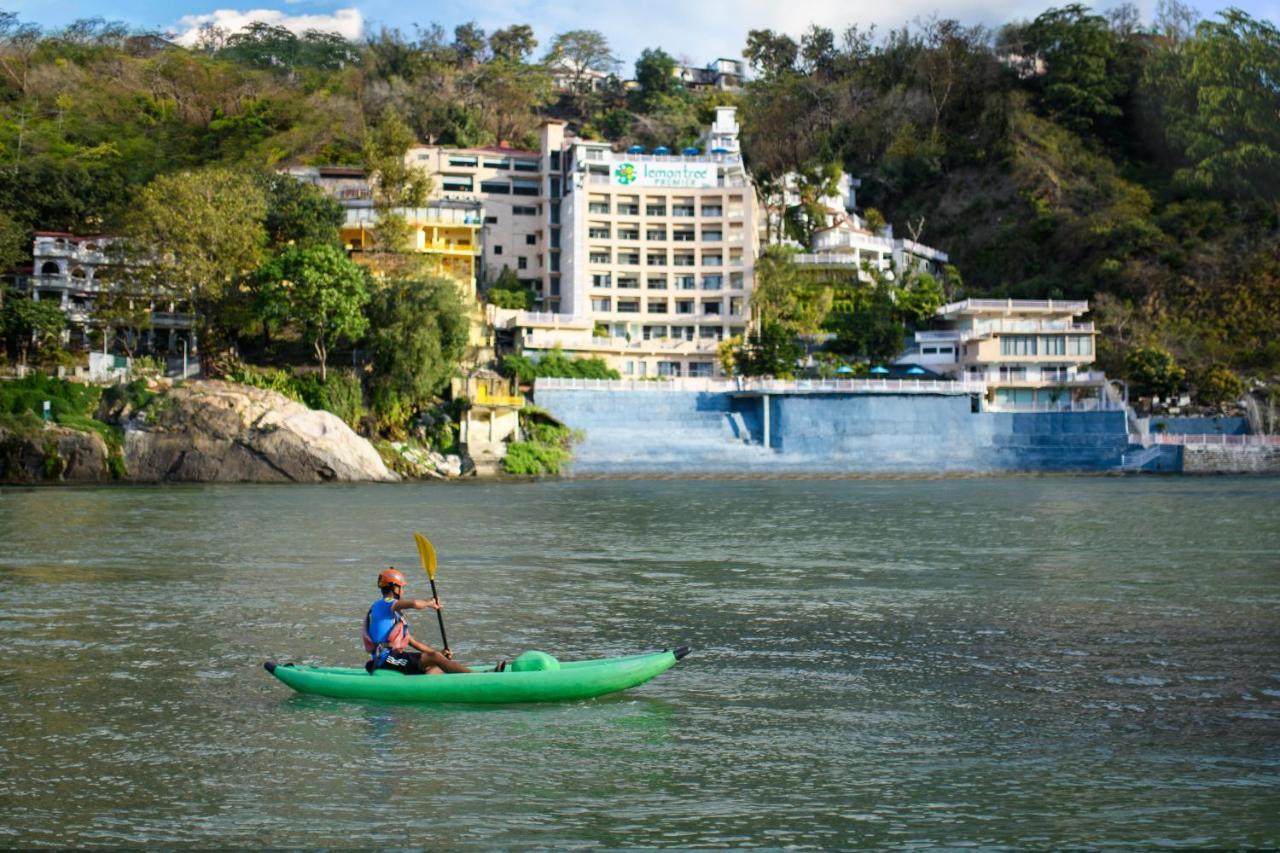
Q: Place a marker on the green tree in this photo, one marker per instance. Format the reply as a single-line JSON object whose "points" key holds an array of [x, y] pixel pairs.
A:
{"points": [[507, 291], [418, 335], [1218, 384], [15, 242], [514, 44], [580, 53], [1081, 83], [772, 54], [24, 320], [813, 183], [1154, 371], [321, 289], [655, 72], [396, 184], [770, 350], [299, 214], [193, 234]]}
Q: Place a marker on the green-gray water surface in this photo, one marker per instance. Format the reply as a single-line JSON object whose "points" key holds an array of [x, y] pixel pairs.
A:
{"points": [[1035, 662]]}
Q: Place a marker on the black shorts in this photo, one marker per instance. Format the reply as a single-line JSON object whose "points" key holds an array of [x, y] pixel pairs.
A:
{"points": [[410, 663]]}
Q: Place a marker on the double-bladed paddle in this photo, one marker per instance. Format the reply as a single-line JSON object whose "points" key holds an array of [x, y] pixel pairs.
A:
{"points": [[427, 553]]}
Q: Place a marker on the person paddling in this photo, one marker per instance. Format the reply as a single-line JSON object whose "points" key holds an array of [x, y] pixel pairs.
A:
{"points": [[387, 638]]}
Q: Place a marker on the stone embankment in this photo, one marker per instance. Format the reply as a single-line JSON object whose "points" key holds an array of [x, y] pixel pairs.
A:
{"points": [[199, 431], [1230, 459]]}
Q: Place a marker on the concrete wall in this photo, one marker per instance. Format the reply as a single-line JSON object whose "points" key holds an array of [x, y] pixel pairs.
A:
{"points": [[1200, 426], [687, 432]]}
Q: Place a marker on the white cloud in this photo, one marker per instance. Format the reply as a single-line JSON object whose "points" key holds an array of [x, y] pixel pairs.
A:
{"points": [[346, 22]]}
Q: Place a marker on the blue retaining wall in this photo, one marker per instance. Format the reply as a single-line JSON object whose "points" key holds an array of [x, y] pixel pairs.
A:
{"points": [[1201, 426], [689, 432]]}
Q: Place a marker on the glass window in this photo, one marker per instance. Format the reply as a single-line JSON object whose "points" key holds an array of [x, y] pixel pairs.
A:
{"points": [[700, 368], [496, 187], [462, 161], [522, 186], [1018, 345], [524, 165], [1054, 345], [456, 183], [600, 303], [497, 163], [1079, 345], [628, 306], [657, 306], [657, 284]]}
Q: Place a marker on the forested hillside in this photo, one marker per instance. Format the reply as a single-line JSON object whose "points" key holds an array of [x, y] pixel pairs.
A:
{"points": [[1136, 164]]}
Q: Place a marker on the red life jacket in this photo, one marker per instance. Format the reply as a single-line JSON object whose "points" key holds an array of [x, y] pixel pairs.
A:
{"points": [[397, 636]]}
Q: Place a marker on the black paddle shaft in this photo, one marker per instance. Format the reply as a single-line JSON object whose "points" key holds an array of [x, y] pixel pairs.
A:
{"points": [[440, 616]]}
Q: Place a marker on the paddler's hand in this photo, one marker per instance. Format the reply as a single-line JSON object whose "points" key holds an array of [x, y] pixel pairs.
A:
{"points": [[448, 653]]}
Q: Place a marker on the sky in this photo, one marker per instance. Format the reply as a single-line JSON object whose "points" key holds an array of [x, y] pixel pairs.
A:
{"points": [[694, 32]]}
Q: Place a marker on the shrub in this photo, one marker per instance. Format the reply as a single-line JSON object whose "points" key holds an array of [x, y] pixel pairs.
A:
{"points": [[527, 458]]}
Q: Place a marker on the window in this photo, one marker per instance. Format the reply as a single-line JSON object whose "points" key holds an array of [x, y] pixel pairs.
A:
{"points": [[657, 284], [555, 265], [1079, 345], [629, 234], [628, 306], [522, 263], [682, 235], [555, 214], [684, 306], [1053, 374], [655, 210], [598, 257], [685, 282], [929, 351], [711, 309], [736, 281], [712, 260], [524, 210], [523, 186], [555, 238], [497, 163], [735, 306], [629, 209], [668, 368], [656, 259], [531, 239], [683, 260], [700, 368], [628, 283], [456, 183], [462, 161], [709, 332], [555, 161], [1018, 345], [491, 220], [524, 165], [631, 259], [1012, 373], [682, 210], [655, 234], [600, 303], [651, 332], [497, 250], [1054, 345], [598, 207], [712, 210], [495, 187], [657, 306], [598, 232], [712, 236], [602, 280], [712, 282]]}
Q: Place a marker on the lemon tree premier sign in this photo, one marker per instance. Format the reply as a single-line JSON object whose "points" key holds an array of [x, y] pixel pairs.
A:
{"points": [[672, 174]]}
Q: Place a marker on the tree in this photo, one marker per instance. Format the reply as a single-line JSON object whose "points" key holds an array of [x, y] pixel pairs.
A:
{"points": [[15, 242], [1081, 83], [772, 54], [418, 335], [786, 296], [320, 288], [581, 52], [24, 320], [508, 291], [872, 327], [192, 234], [813, 184], [655, 72], [396, 184], [124, 315], [299, 213], [514, 44], [469, 43], [1154, 372], [770, 350], [1218, 384]]}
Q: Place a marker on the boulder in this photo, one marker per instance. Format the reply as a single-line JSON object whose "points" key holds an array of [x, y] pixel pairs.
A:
{"points": [[53, 454], [212, 431]]}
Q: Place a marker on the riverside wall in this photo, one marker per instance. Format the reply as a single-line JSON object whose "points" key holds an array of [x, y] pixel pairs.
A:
{"points": [[714, 432]]}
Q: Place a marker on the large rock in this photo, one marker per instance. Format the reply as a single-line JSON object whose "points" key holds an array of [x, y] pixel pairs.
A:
{"points": [[54, 454], [215, 431]]}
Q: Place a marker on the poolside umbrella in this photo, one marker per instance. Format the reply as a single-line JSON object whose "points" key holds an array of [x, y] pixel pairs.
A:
{"points": [[844, 368], [916, 370], [662, 149], [879, 369], [636, 149]]}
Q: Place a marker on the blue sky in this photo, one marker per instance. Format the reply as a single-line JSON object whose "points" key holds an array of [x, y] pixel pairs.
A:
{"points": [[697, 32]]}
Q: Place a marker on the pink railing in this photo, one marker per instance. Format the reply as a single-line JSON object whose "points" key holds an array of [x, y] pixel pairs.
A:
{"points": [[1223, 440]]}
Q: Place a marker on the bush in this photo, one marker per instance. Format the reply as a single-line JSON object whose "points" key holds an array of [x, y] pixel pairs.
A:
{"points": [[1218, 385], [527, 458], [557, 364], [340, 393]]}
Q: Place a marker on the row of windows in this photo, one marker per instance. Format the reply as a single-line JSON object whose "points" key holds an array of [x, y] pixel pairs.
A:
{"points": [[1046, 345], [679, 235], [467, 161], [680, 282], [659, 259], [660, 306], [708, 211]]}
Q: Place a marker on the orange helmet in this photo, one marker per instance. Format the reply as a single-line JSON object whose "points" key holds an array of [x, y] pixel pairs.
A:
{"points": [[391, 576]]}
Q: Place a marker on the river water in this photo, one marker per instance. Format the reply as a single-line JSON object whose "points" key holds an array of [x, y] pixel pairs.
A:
{"points": [[1023, 661]]}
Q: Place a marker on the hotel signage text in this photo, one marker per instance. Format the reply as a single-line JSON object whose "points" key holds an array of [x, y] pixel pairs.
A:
{"points": [[674, 174]]}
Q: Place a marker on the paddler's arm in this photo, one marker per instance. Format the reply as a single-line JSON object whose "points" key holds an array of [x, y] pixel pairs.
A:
{"points": [[415, 604]]}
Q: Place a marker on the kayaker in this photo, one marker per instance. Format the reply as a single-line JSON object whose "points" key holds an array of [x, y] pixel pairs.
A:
{"points": [[387, 638]]}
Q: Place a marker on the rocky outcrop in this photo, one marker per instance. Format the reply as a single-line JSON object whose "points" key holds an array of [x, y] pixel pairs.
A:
{"points": [[53, 454], [212, 431]]}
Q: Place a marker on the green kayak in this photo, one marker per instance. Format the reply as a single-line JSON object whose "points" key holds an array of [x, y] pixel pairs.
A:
{"points": [[555, 683]]}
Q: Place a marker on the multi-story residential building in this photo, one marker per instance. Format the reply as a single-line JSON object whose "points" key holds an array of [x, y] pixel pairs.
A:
{"points": [[724, 74], [1028, 352], [68, 269], [652, 254]]}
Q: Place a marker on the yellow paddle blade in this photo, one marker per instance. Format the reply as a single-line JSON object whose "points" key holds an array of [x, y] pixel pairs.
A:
{"points": [[427, 553]]}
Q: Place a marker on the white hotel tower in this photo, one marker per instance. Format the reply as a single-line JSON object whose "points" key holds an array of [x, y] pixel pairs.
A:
{"points": [[649, 254]]}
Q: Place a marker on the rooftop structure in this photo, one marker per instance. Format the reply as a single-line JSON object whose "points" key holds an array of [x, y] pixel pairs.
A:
{"points": [[724, 74]]}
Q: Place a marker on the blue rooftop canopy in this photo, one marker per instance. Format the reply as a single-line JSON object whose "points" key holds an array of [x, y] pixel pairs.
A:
{"points": [[691, 150], [662, 149], [719, 150], [844, 368], [879, 369], [636, 149], [916, 370]]}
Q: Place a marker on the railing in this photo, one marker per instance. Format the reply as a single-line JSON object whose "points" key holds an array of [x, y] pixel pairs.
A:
{"points": [[768, 386], [988, 326], [1090, 405], [947, 336], [1075, 306], [1217, 440], [418, 215]]}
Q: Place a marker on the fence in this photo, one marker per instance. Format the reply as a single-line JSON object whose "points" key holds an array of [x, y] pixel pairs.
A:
{"points": [[1089, 405], [767, 386], [1217, 440]]}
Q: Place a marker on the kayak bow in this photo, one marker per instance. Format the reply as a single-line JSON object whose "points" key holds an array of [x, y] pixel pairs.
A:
{"points": [[572, 680]]}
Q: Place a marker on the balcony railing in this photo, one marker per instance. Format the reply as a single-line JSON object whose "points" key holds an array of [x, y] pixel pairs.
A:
{"points": [[766, 386], [1073, 306], [1217, 440], [417, 216]]}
